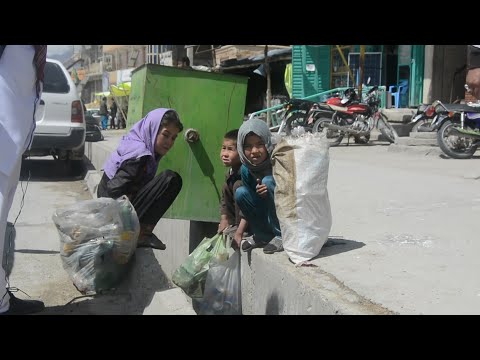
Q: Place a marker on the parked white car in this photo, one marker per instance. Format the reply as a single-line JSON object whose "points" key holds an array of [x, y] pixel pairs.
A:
{"points": [[60, 130]]}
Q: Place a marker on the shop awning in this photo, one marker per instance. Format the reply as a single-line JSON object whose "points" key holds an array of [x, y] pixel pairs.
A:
{"points": [[122, 89]]}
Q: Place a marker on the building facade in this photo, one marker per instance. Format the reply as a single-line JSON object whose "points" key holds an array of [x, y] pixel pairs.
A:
{"points": [[86, 69], [120, 60], [425, 72]]}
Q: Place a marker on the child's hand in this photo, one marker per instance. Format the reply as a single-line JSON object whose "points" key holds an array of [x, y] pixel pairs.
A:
{"points": [[237, 240], [261, 189], [222, 226]]}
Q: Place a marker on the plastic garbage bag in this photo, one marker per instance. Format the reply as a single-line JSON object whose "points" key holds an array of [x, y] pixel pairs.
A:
{"points": [[97, 239], [223, 292], [191, 275]]}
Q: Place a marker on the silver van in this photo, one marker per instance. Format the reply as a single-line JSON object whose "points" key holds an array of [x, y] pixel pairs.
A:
{"points": [[60, 129]]}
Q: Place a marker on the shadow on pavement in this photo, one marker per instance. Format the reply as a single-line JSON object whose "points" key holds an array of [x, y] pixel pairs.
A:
{"points": [[39, 252], [133, 295], [344, 144], [8, 257], [274, 305], [48, 169], [446, 157], [336, 245]]}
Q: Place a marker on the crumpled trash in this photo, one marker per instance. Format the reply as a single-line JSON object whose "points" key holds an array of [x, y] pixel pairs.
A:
{"points": [[97, 240]]}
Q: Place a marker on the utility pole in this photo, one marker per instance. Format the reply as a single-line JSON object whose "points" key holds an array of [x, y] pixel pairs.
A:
{"points": [[362, 63], [214, 58], [190, 54], [269, 87]]}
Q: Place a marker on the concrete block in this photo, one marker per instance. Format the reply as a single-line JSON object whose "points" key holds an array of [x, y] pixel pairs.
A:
{"points": [[92, 178], [271, 285], [402, 129], [170, 302], [175, 234], [399, 115]]}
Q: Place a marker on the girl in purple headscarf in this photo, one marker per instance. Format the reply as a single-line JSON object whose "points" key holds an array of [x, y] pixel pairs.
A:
{"points": [[131, 170]]}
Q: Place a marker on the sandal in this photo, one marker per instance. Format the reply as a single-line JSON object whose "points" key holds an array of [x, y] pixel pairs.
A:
{"points": [[151, 241], [250, 244], [275, 245]]}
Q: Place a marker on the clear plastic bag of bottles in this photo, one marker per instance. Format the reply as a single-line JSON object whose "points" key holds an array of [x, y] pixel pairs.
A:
{"points": [[223, 292], [97, 239]]}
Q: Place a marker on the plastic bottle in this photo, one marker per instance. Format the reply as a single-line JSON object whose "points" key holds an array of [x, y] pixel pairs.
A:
{"points": [[126, 216], [218, 297], [123, 245]]}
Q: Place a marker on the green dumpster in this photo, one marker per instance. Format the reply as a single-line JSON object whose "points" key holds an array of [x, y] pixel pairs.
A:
{"points": [[209, 103]]}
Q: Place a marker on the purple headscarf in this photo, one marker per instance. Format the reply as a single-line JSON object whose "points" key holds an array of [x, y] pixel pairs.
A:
{"points": [[140, 141]]}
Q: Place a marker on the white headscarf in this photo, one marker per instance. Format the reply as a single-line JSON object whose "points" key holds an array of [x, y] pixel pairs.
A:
{"points": [[259, 128]]}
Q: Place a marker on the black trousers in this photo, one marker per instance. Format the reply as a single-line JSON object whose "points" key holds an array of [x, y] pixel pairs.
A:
{"points": [[154, 199], [112, 122]]}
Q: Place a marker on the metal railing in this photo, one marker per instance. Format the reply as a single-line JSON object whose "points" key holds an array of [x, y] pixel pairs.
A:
{"points": [[276, 116]]}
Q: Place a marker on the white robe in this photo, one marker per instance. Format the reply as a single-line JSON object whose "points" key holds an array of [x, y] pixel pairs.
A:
{"points": [[17, 103]]}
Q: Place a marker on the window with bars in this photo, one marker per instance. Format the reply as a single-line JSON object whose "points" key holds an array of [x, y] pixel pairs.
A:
{"points": [[154, 53], [153, 56], [372, 68], [339, 70]]}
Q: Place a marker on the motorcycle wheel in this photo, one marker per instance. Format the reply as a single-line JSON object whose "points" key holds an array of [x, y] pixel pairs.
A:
{"points": [[418, 124], [294, 120], [456, 147], [361, 139], [334, 137], [387, 129]]}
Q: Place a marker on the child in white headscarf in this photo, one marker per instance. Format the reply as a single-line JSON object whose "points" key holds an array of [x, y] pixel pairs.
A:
{"points": [[256, 197]]}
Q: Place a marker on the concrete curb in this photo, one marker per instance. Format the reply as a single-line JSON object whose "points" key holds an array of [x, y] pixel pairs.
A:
{"points": [[416, 150], [170, 302], [298, 290], [92, 179]]}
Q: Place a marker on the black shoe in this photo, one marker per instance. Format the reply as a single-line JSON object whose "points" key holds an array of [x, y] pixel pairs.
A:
{"points": [[23, 307], [151, 241], [275, 245]]}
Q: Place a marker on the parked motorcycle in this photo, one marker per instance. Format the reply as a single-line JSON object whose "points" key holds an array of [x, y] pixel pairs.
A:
{"points": [[304, 113], [423, 118], [356, 119], [426, 115], [349, 97], [298, 112], [458, 129]]}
